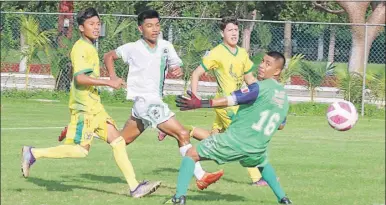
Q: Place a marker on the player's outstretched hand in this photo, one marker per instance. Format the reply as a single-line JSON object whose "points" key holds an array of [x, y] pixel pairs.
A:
{"points": [[176, 71], [116, 83], [186, 103]]}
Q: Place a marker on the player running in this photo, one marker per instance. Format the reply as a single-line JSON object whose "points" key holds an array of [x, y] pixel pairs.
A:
{"points": [[149, 59], [262, 109], [88, 116]]}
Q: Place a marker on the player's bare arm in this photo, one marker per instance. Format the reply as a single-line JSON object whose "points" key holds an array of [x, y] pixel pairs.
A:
{"points": [[195, 78], [83, 79], [109, 59], [249, 78]]}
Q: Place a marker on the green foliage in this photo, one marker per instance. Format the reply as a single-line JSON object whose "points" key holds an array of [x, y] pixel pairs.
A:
{"points": [[292, 68], [351, 85], [320, 109], [264, 36], [314, 75], [35, 40], [375, 82]]}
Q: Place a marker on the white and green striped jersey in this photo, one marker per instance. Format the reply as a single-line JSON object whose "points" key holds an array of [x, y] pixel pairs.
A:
{"points": [[147, 66]]}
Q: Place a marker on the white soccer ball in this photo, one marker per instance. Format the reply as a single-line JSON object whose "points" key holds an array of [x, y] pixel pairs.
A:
{"points": [[342, 115]]}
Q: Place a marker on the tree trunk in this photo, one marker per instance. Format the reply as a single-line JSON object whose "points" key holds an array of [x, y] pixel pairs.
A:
{"points": [[357, 14], [312, 94], [287, 41], [246, 44], [23, 47], [320, 47], [331, 46], [170, 34]]}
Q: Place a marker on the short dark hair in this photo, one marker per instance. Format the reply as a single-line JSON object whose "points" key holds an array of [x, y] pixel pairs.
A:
{"points": [[83, 15], [148, 14], [277, 55], [226, 20]]}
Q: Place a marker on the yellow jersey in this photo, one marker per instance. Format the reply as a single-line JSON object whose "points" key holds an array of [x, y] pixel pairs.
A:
{"points": [[229, 68], [85, 60]]}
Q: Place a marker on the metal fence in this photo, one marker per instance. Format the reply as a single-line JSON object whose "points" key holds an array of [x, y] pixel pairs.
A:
{"points": [[318, 44]]}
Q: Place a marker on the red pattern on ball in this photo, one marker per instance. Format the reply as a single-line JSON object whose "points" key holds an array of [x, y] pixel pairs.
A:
{"points": [[345, 106], [338, 119]]}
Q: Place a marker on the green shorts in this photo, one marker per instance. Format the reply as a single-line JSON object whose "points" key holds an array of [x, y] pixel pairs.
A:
{"points": [[217, 148]]}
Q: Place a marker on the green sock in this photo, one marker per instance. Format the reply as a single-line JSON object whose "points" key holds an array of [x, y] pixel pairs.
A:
{"points": [[269, 176], [184, 176]]}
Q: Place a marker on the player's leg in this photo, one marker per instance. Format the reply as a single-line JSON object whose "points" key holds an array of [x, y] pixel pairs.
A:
{"points": [[173, 128], [77, 144], [212, 148], [270, 177], [268, 174], [132, 129], [118, 145]]}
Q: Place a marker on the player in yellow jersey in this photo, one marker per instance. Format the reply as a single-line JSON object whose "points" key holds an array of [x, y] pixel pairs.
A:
{"points": [[88, 116]]}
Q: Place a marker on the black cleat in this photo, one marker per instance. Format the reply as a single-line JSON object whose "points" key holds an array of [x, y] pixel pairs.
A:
{"points": [[174, 200], [285, 200]]}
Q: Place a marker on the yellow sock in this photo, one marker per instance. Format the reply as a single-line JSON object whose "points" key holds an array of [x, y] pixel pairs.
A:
{"points": [[123, 162], [254, 174], [190, 128], [61, 151]]}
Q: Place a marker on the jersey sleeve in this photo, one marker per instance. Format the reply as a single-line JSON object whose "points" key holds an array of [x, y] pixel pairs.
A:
{"points": [[249, 66], [173, 58], [209, 61], [80, 64], [124, 52]]}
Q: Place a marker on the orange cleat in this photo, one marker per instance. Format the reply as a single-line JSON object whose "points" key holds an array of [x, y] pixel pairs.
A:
{"points": [[208, 179], [63, 134]]}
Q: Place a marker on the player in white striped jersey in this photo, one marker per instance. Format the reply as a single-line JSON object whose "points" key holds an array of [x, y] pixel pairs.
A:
{"points": [[149, 59]]}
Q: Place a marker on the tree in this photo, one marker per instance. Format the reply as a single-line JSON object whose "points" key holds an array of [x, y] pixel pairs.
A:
{"points": [[357, 13], [305, 11], [314, 74], [34, 40]]}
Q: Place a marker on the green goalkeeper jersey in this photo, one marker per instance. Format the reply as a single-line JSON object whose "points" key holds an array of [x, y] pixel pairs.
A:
{"points": [[254, 124]]}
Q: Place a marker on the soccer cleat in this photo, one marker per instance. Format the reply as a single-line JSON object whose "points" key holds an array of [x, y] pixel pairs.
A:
{"points": [[285, 200], [161, 135], [145, 188], [62, 134], [174, 200], [261, 182], [208, 179], [27, 160]]}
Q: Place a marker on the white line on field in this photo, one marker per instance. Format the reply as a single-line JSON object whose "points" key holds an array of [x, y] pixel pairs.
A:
{"points": [[29, 128]]}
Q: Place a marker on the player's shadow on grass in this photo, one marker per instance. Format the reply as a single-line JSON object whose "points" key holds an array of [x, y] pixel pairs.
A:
{"points": [[52, 185], [164, 169], [174, 170], [209, 195], [105, 179]]}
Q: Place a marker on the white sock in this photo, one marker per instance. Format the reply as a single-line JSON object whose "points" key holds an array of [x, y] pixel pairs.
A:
{"points": [[198, 171]]}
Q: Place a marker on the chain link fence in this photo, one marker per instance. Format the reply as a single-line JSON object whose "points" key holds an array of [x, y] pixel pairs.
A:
{"points": [[318, 54]]}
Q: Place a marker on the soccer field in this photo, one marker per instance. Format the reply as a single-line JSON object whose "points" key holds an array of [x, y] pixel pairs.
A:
{"points": [[316, 164]]}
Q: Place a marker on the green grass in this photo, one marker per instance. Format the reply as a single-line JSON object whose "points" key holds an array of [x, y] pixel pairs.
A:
{"points": [[316, 164]]}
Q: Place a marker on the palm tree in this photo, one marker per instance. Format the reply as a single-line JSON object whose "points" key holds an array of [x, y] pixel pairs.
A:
{"points": [[351, 85], [314, 74], [376, 84], [291, 68], [34, 39]]}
